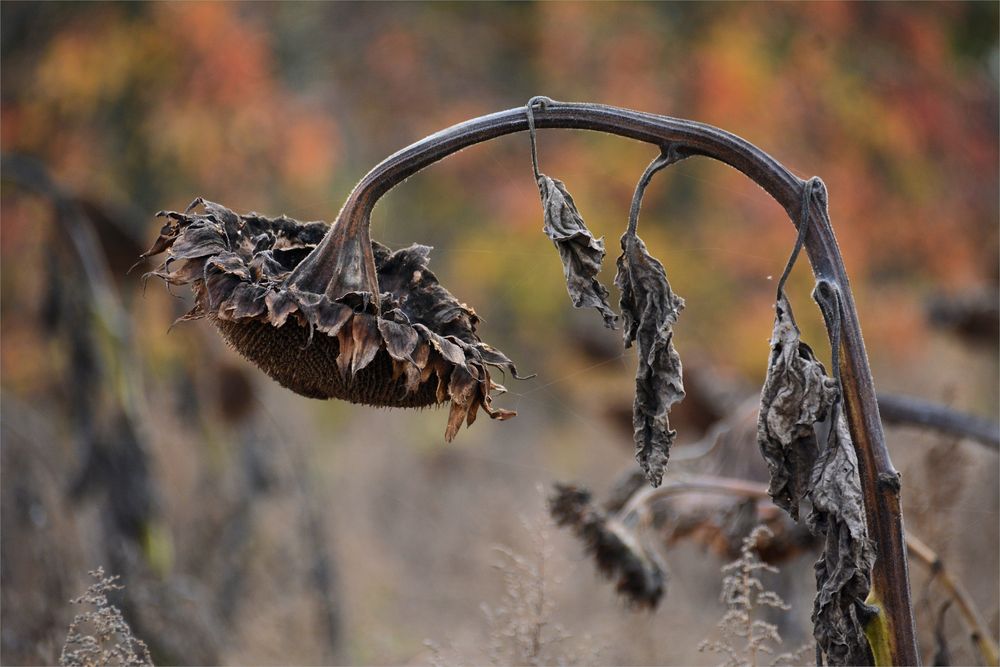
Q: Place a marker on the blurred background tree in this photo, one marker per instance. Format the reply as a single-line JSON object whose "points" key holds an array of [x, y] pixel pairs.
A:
{"points": [[281, 107]]}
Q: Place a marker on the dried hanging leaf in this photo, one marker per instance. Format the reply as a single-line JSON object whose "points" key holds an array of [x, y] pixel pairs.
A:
{"points": [[843, 571], [581, 254], [797, 397], [649, 310], [797, 394], [359, 323], [639, 572]]}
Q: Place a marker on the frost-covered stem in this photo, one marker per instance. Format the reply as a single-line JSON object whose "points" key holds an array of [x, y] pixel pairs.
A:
{"points": [[879, 480]]}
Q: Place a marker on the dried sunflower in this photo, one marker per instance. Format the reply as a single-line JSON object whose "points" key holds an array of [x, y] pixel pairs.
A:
{"points": [[329, 313], [639, 572]]}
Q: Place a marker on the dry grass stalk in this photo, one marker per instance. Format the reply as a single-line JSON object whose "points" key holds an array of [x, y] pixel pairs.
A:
{"points": [[110, 641], [744, 639], [522, 628]]}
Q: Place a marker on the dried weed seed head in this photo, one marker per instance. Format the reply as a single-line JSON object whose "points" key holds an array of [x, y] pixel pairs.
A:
{"points": [[639, 575], [328, 313]]}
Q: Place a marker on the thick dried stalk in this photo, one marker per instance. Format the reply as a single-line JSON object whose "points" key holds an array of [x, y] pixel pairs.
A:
{"points": [[880, 481]]}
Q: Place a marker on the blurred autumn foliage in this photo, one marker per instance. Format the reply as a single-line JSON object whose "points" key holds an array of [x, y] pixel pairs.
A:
{"points": [[281, 107]]}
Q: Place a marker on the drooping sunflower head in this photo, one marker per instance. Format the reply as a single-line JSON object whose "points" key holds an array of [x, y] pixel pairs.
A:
{"points": [[319, 322]]}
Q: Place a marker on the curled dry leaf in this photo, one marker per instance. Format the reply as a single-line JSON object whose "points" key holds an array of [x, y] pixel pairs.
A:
{"points": [[399, 341], [843, 571], [797, 394], [639, 573], [649, 311], [581, 254]]}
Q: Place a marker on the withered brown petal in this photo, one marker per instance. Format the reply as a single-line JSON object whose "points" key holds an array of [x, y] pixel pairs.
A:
{"points": [[500, 414], [421, 353], [797, 394], [441, 369], [264, 266], [218, 286], [470, 418], [196, 313], [229, 262], [497, 413], [650, 309], [843, 571], [494, 357], [453, 353], [462, 388], [168, 234], [462, 385], [332, 316], [247, 300], [456, 415], [201, 238], [581, 254], [345, 339], [413, 380], [400, 339], [279, 306], [367, 341], [179, 273]]}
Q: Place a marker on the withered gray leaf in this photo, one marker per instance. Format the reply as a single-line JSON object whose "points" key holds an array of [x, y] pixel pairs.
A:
{"points": [[797, 394], [649, 310], [580, 252], [843, 571]]}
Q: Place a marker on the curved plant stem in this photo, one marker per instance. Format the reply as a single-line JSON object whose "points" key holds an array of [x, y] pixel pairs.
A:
{"points": [[912, 411], [643, 499], [879, 480], [956, 591], [642, 503]]}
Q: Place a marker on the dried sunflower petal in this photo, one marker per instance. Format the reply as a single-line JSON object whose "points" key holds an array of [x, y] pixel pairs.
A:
{"points": [[581, 254], [389, 333]]}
